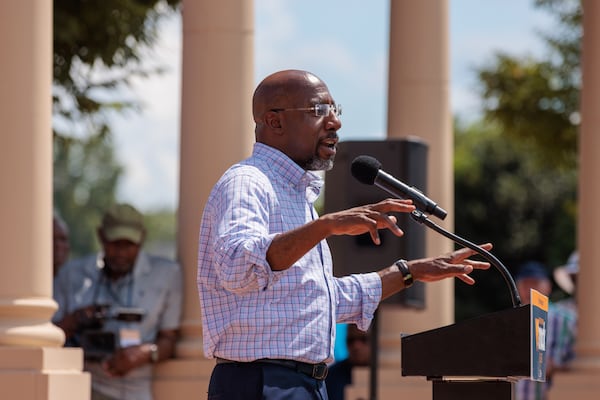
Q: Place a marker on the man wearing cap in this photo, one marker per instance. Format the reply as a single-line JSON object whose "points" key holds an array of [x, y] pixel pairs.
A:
{"points": [[560, 333], [122, 306]]}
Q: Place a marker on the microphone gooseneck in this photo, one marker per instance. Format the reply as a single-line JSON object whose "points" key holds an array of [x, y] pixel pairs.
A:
{"points": [[367, 170]]}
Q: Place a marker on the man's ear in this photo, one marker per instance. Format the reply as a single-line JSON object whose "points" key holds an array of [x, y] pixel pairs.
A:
{"points": [[273, 121]]}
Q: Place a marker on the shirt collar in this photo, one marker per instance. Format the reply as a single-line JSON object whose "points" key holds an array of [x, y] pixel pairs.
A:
{"points": [[289, 171]]}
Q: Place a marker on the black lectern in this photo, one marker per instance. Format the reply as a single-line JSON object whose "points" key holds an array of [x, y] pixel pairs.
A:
{"points": [[478, 358]]}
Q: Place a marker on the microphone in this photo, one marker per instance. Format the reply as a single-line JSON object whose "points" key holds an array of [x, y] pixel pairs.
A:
{"points": [[367, 170]]}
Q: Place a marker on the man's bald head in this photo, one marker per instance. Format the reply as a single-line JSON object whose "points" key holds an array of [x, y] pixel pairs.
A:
{"points": [[282, 89]]}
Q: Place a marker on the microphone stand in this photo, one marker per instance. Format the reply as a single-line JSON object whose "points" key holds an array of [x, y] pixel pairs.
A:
{"points": [[421, 218]]}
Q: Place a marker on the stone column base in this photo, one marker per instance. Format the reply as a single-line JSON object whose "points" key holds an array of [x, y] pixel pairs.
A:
{"points": [[575, 385], [43, 373], [182, 379]]}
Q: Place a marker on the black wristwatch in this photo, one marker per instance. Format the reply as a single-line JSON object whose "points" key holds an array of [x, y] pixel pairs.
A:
{"points": [[406, 275]]}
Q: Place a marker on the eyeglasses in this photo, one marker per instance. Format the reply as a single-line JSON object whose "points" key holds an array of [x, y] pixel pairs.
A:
{"points": [[321, 110]]}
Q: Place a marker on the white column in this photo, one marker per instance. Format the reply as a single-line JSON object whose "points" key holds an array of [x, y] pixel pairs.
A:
{"points": [[418, 105], [216, 131], [582, 381], [216, 118], [33, 364], [588, 295], [26, 304]]}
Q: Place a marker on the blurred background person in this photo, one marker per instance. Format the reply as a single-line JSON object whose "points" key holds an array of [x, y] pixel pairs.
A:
{"points": [[565, 277], [358, 344], [122, 306], [560, 332]]}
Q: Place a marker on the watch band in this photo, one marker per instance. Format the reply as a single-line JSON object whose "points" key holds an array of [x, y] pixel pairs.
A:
{"points": [[405, 271]]}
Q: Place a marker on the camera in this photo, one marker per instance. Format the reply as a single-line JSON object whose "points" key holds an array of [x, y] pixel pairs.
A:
{"points": [[96, 341]]}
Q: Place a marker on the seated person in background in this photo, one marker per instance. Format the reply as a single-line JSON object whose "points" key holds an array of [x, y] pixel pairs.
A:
{"points": [[122, 306], [359, 355], [560, 332]]}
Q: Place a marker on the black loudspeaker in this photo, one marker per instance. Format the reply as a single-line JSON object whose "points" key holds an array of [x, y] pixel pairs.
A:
{"points": [[405, 159]]}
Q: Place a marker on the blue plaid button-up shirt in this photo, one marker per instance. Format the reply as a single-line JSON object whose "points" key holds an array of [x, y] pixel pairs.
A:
{"points": [[249, 311]]}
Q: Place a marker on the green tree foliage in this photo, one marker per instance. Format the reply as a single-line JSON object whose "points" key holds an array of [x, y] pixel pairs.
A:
{"points": [[504, 197], [98, 48], [537, 101], [161, 228], [85, 175], [516, 171]]}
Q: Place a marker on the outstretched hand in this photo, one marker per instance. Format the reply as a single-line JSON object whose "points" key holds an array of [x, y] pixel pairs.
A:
{"points": [[369, 218], [454, 264], [288, 247]]}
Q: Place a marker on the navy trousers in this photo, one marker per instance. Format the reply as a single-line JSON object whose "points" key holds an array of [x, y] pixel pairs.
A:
{"points": [[257, 381]]}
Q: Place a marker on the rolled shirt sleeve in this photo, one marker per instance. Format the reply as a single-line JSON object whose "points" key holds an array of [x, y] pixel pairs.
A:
{"points": [[358, 297], [240, 217]]}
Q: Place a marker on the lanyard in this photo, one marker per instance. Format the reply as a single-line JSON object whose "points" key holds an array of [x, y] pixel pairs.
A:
{"points": [[105, 285]]}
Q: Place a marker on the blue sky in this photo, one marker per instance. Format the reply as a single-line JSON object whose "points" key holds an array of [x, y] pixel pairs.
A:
{"points": [[342, 41]]}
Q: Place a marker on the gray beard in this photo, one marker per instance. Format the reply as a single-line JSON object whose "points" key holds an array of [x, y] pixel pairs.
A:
{"points": [[317, 164]]}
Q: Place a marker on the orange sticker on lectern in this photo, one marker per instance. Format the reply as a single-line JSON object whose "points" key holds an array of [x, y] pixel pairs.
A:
{"points": [[539, 300]]}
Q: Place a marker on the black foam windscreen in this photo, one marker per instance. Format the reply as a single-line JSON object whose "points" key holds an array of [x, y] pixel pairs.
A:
{"points": [[365, 169]]}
